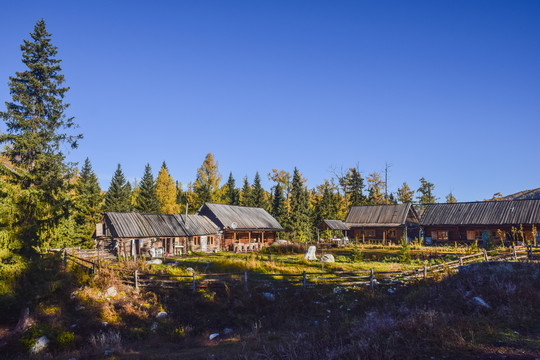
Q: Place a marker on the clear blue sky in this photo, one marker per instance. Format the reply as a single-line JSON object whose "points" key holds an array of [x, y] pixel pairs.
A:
{"points": [[446, 90]]}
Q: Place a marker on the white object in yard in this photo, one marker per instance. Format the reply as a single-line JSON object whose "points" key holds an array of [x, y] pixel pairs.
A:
{"points": [[310, 253], [161, 314], [327, 258], [213, 336], [203, 244], [189, 269], [481, 302], [40, 345], [111, 292], [155, 262]]}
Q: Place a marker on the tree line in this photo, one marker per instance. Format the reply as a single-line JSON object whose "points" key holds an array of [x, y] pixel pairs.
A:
{"points": [[47, 202]]}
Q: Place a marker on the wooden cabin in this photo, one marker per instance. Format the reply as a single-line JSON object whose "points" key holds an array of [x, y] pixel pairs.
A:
{"points": [[154, 235], [384, 223], [335, 227], [244, 228], [507, 221]]}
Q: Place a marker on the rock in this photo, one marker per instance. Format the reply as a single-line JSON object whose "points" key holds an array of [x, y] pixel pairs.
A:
{"points": [[190, 270], [213, 336], [155, 262], [40, 345], [391, 291], [481, 302], [161, 314], [310, 253], [111, 292], [154, 326], [73, 295], [269, 296], [327, 258], [104, 324], [227, 331], [107, 352]]}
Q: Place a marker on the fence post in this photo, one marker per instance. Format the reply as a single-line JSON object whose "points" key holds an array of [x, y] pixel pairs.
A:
{"points": [[193, 286], [530, 252], [514, 252], [322, 265], [371, 279], [93, 267], [245, 279], [460, 261], [136, 278], [304, 279], [425, 271], [486, 258]]}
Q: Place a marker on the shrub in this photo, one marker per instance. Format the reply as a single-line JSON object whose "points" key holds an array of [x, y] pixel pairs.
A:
{"points": [[356, 255], [405, 251]]}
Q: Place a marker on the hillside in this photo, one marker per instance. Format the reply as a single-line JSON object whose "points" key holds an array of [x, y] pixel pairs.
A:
{"points": [[524, 195]]}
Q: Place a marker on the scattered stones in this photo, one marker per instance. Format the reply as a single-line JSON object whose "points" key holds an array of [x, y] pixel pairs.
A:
{"points": [[107, 352], [269, 296], [227, 331], [391, 291], [40, 345], [104, 324], [310, 253], [161, 314], [481, 302], [213, 336], [73, 295], [154, 326], [111, 292], [155, 262], [327, 258]]}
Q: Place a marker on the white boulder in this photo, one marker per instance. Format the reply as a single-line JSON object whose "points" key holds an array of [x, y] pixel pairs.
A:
{"points": [[328, 258], [310, 253]]}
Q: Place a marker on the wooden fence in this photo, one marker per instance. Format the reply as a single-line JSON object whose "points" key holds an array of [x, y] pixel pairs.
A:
{"points": [[304, 279]]}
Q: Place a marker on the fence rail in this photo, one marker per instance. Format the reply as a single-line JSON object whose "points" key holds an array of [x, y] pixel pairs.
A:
{"points": [[304, 279]]}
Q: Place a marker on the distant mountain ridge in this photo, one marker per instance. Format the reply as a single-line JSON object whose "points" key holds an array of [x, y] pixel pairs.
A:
{"points": [[523, 195]]}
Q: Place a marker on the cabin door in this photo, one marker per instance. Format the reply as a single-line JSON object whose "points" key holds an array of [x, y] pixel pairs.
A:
{"points": [[203, 244]]}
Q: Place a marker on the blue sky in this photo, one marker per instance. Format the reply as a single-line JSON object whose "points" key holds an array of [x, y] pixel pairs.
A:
{"points": [[446, 90]]}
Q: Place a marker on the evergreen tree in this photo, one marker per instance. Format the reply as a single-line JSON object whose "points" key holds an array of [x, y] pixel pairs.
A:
{"points": [[245, 197], [207, 182], [405, 195], [118, 196], [355, 186], [258, 195], [284, 178], [147, 201], [232, 195], [180, 197], [166, 192], [36, 129], [300, 212], [426, 192], [326, 205], [279, 206], [450, 198], [88, 202]]}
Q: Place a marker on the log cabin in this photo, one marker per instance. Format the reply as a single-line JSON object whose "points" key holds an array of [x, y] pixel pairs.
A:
{"points": [[383, 223], [504, 221], [334, 226], [244, 228], [155, 235]]}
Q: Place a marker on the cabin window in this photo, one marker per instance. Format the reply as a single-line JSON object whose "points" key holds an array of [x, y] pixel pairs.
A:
{"points": [[392, 233], [211, 240], [371, 233], [439, 235]]}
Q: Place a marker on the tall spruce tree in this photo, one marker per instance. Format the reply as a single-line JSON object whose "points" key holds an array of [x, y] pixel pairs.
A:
{"points": [[36, 129], [118, 196], [232, 195], [245, 197], [279, 205], [166, 192], [355, 186], [147, 201], [326, 206], [88, 202], [258, 195], [300, 213]]}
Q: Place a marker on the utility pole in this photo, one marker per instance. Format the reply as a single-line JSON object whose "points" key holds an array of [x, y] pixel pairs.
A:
{"points": [[387, 165]]}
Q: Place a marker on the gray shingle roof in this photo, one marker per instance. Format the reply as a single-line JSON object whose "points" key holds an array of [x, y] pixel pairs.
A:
{"points": [[512, 212], [379, 215], [334, 224], [198, 225], [240, 217]]}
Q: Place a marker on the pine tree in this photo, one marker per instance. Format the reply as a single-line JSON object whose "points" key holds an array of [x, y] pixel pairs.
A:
{"points": [[279, 206], [118, 196], [300, 212], [426, 192], [326, 205], [166, 192], [207, 182], [232, 195], [405, 195], [36, 129], [245, 197], [258, 195], [147, 201], [88, 202], [355, 186]]}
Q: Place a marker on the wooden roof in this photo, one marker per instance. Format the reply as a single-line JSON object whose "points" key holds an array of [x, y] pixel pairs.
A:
{"points": [[233, 217], [197, 225], [137, 225], [333, 225], [380, 215], [514, 212]]}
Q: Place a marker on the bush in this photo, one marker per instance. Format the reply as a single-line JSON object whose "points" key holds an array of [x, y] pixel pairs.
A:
{"points": [[356, 255], [405, 251]]}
